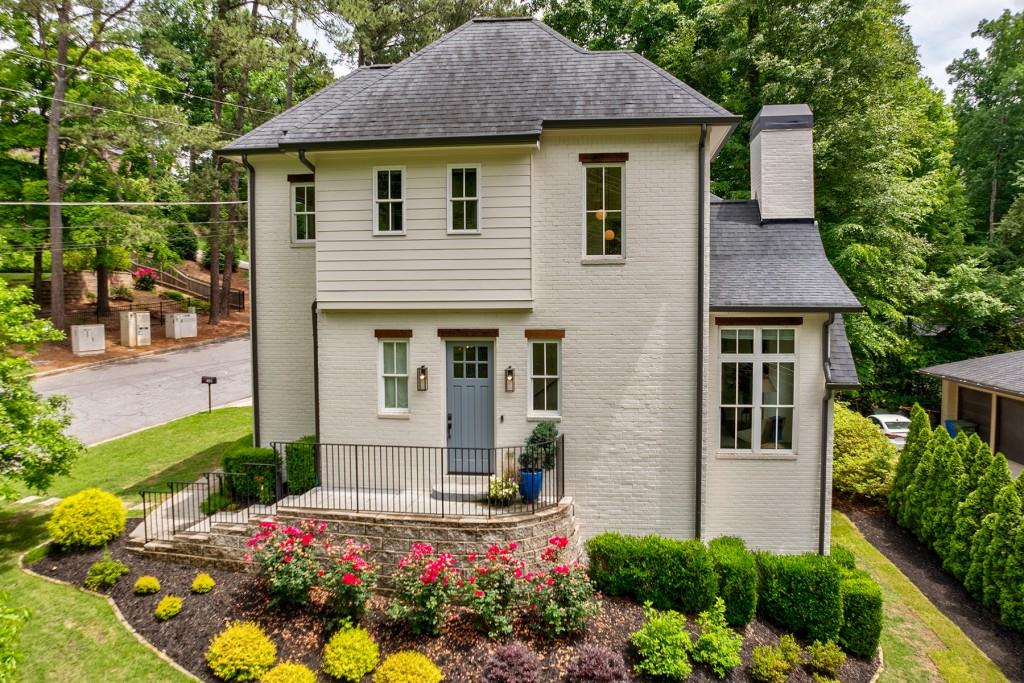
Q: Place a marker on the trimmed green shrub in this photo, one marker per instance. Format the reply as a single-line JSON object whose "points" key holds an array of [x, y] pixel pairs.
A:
{"points": [[669, 574], [408, 667], [350, 654], [146, 585], [992, 547], [300, 464], [945, 493], [718, 646], [843, 557], [970, 514], [241, 652], [88, 519], [917, 505], [251, 474], [664, 645], [737, 579], [289, 672], [1011, 602], [169, 606], [769, 665], [826, 658], [917, 440], [203, 583], [864, 461], [800, 593], [862, 615], [104, 573]]}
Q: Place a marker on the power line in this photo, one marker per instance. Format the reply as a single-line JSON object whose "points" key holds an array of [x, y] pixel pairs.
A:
{"points": [[239, 201], [84, 227], [155, 87], [117, 111]]}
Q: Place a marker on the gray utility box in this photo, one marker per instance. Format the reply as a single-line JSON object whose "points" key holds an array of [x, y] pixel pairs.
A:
{"points": [[135, 328], [181, 326], [88, 340]]}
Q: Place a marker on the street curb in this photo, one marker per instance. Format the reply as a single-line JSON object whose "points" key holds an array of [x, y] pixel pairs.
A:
{"points": [[113, 606], [144, 354]]}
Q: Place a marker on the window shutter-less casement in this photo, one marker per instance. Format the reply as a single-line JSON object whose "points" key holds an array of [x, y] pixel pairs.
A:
{"points": [[389, 201], [464, 199], [303, 208], [603, 222]]}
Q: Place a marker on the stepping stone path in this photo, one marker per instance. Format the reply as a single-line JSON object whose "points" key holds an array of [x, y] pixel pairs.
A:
{"points": [[50, 501], [27, 499]]}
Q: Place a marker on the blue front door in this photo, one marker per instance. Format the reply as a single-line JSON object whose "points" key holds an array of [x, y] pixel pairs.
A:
{"points": [[470, 407]]}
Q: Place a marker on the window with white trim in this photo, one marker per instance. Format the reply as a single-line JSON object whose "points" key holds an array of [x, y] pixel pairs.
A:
{"points": [[303, 212], [545, 378], [757, 391], [389, 201], [394, 376], [603, 224], [464, 198]]}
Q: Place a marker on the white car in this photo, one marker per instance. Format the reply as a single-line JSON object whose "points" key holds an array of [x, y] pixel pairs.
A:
{"points": [[895, 427]]}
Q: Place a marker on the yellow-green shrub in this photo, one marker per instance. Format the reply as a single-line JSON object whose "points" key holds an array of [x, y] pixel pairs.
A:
{"points": [[203, 583], [350, 654], [87, 519], [168, 607], [864, 462], [146, 585], [408, 667], [289, 672], [241, 652]]}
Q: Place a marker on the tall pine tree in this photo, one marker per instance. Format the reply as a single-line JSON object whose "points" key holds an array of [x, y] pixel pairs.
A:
{"points": [[917, 441]]}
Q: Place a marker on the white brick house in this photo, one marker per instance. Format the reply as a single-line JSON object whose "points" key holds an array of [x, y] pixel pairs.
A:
{"points": [[508, 208]]}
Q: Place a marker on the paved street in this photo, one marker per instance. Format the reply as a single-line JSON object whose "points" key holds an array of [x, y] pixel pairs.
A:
{"points": [[126, 396]]}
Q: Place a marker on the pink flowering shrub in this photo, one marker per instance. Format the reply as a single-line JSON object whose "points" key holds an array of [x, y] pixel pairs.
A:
{"points": [[292, 560], [561, 597], [492, 589], [424, 587], [145, 278]]}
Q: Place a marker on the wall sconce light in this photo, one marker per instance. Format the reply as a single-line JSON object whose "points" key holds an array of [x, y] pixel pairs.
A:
{"points": [[421, 378], [510, 379]]}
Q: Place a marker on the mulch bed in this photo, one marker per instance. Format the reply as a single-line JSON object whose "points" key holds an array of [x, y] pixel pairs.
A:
{"points": [[923, 567], [300, 634]]}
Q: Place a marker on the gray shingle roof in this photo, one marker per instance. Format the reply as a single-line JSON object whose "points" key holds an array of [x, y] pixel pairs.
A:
{"points": [[1003, 372], [842, 371], [776, 266], [495, 78]]}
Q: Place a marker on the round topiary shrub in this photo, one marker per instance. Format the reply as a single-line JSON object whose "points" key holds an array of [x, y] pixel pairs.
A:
{"points": [[203, 583], [146, 585], [169, 606], [350, 654], [289, 672], [596, 664], [408, 667], [512, 663], [88, 519], [241, 652]]}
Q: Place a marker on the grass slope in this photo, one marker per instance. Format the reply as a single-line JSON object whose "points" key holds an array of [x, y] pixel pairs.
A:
{"points": [[919, 642], [74, 636]]}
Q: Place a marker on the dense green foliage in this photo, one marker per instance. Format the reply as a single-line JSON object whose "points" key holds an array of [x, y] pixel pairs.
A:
{"points": [[718, 646], [300, 463], [241, 652], [917, 439], [825, 658], [863, 459], [670, 574], [11, 622], [862, 615], [801, 593], [88, 519], [737, 579], [663, 645], [774, 663], [250, 474], [963, 503], [350, 654], [104, 573]]}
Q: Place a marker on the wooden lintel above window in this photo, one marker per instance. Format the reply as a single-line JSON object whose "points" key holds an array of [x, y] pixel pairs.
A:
{"points": [[545, 334], [467, 332], [392, 334], [767, 320], [301, 177], [603, 157]]}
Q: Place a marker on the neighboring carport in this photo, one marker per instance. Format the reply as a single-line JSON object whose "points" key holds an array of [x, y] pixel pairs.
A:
{"points": [[987, 394]]}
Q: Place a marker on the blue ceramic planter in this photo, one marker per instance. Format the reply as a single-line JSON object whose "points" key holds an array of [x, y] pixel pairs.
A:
{"points": [[530, 483]]}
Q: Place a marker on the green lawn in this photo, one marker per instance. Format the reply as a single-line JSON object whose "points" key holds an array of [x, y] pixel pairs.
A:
{"points": [[919, 642], [22, 278], [73, 636]]}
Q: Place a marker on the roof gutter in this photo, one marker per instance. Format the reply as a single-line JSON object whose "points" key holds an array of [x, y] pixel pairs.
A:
{"points": [[826, 423], [699, 434], [253, 336]]}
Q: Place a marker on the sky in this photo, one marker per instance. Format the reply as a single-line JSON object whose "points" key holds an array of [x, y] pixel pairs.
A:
{"points": [[942, 30]]}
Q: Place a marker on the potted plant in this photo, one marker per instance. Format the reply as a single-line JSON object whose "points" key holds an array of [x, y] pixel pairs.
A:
{"points": [[537, 455]]}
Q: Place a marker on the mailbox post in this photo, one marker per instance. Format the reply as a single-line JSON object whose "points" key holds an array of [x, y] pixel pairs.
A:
{"points": [[209, 382]]}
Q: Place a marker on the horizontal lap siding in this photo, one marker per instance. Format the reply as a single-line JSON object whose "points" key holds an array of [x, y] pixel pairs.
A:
{"points": [[357, 267], [285, 288]]}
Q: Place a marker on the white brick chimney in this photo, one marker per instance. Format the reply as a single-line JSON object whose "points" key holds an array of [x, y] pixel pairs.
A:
{"points": [[782, 162]]}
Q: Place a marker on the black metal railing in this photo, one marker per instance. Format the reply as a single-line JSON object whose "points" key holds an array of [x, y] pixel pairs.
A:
{"points": [[420, 480], [90, 314], [192, 507]]}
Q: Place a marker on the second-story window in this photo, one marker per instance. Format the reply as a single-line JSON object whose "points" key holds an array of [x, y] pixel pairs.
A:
{"points": [[389, 201], [464, 199], [303, 212], [603, 224]]}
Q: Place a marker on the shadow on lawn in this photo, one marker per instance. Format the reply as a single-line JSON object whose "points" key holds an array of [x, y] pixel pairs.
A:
{"points": [[188, 470], [20, 531]]}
